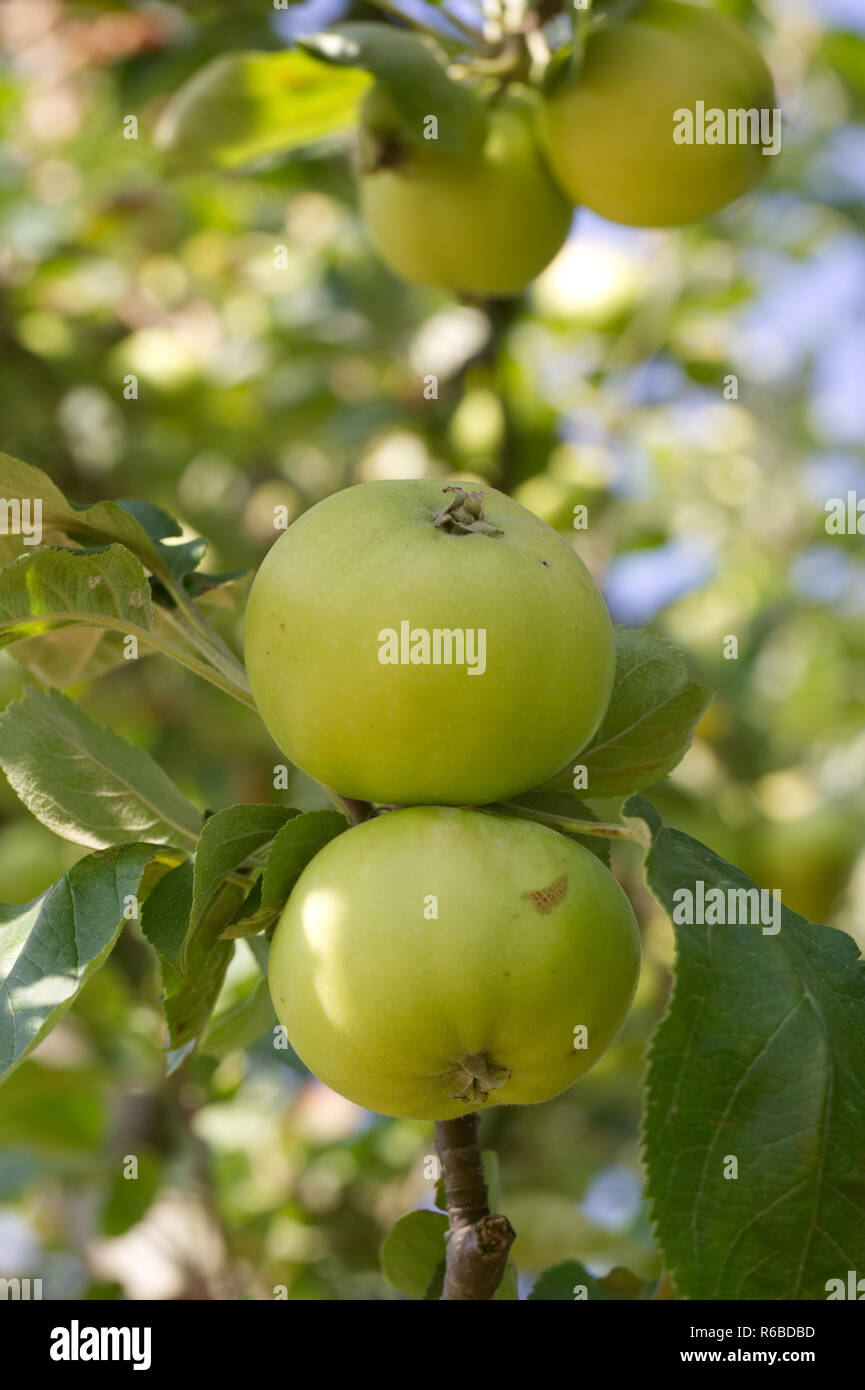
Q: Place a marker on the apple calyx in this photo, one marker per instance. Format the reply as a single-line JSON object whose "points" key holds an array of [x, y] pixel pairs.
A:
{"points": [[480, 1077], [464, 514], [379, 148]]}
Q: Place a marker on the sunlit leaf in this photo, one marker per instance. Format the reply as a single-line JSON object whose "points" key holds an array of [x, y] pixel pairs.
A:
{"points": [[242, 106], [50, 946], [52, 587], [292, 849], [165, 915], [85, 782], [414, 78], [242, 1024], [228, 839], [649, 723], [140, 526], [760, 1060]]}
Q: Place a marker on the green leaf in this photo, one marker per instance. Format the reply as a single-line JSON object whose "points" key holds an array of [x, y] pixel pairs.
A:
{"points": [[492, 1178], [244, 923], [243, 106], [58, 593], [570, 1282], [70, 655], [191, 993], [760, 1059], [53, 1110], [218, 591], [100, 584], [227, 840], [846, 53], [412, 1251], [129, 1198], [180, 559], [649, 723], [508, 1290], [434, 1288], [165, 914], [53, 587], [50, 946], [86, 783], [99, 524], [297, 843], [192, 986], [560, 70], [623, 1283], [67, 656], [412, 75], [242, 1024]]}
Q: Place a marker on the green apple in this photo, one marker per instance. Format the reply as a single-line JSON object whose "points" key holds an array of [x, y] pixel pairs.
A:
{"points": [[404, 649], [609, 133], [433, 960], [485, 221]]}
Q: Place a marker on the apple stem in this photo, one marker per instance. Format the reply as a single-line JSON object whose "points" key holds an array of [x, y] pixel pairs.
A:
{"points": [[355, 812], [629, 829], [478, 1241]]}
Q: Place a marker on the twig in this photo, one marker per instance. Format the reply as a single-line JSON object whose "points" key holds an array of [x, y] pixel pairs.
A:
{"points": [[478, 1242], [389, 8], [544, 10], [474, 34], [501, 314]]}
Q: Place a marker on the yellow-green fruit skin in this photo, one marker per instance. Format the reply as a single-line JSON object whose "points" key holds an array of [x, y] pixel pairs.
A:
{"points": [[366, 559], [531, 939], [486, 222], [609, 134]]}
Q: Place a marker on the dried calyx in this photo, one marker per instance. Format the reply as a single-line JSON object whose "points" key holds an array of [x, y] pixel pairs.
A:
{"points": [[379, 149], [464, 514], [479, 1077]]}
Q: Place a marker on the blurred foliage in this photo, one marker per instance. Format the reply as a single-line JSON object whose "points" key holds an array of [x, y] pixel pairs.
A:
{"points": [[266, 381]]}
